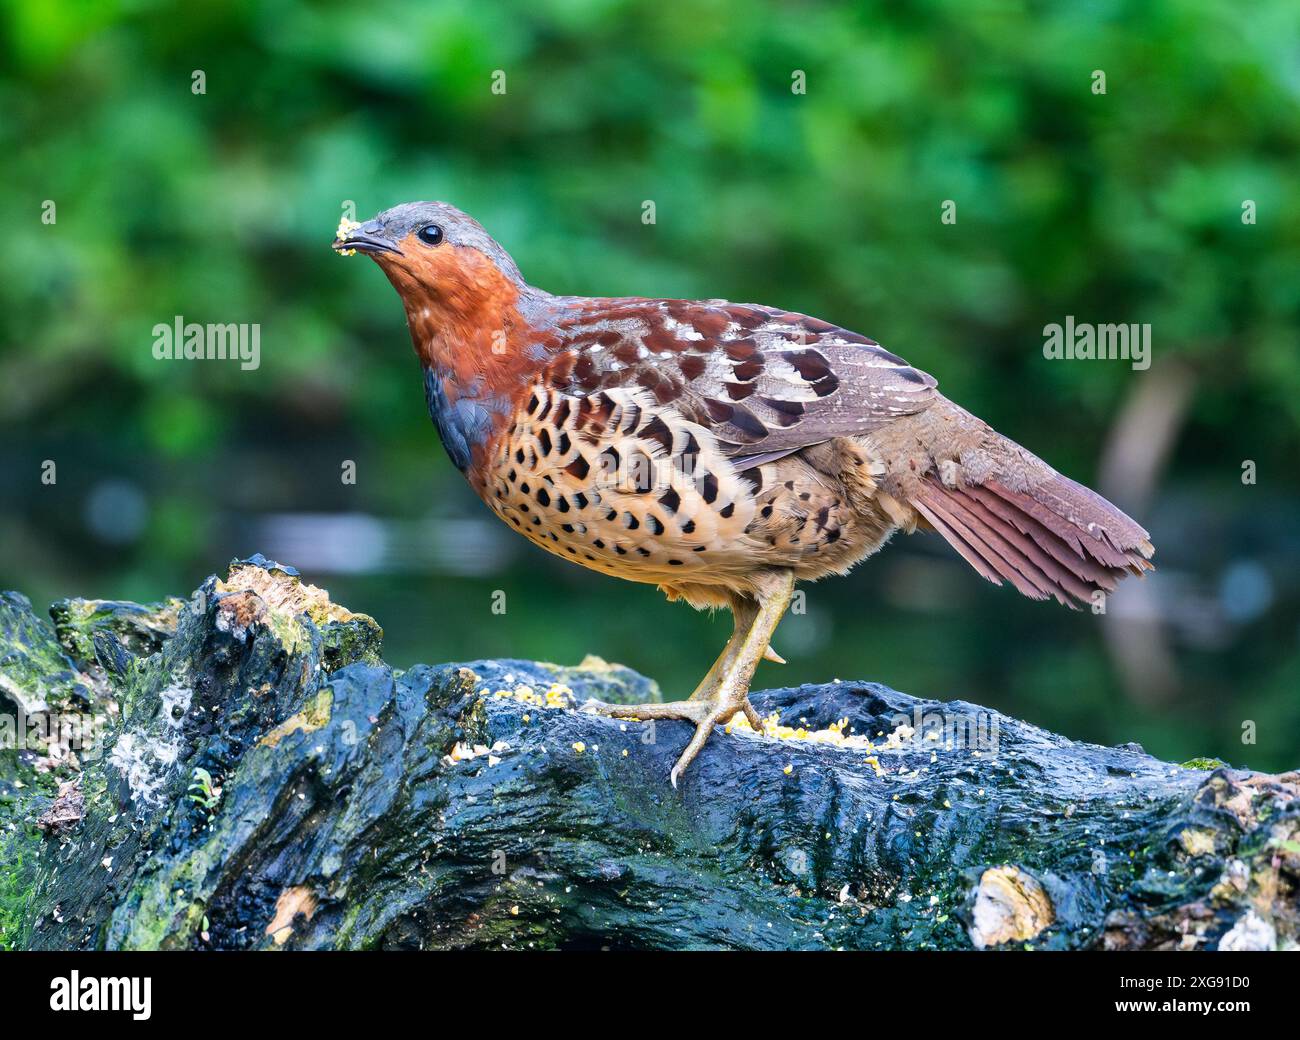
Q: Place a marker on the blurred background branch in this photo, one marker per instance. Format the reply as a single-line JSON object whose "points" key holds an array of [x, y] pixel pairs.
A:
{"points": [[1132, 465]]}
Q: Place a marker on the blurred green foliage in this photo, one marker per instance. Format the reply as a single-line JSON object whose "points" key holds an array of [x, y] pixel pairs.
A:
{"points": [[1116, 207]]}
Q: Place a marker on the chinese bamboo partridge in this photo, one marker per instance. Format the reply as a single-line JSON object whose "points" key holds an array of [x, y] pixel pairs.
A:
{"points": [[722, 451]]}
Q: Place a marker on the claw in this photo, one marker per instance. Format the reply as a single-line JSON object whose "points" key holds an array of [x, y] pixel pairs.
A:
{"points": [[771, 655]]}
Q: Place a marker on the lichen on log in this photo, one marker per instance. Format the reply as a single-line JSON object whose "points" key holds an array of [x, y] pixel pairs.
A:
{"points": [[267, 781]]}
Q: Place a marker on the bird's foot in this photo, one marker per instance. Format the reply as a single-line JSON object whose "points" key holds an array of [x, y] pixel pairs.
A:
{"points": [[705, 712]]}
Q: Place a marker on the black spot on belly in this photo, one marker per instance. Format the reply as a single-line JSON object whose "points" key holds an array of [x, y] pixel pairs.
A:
{"points": [[641, 472], [690, 454], [657, 430], [709, 488]]}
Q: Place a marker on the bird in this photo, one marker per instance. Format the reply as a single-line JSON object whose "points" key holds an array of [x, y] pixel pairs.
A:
{"points": [[720, 451]]}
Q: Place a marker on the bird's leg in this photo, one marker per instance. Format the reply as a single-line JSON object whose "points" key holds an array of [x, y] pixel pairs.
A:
{"points": [[732, 692], [743, 610], [724, 691]]}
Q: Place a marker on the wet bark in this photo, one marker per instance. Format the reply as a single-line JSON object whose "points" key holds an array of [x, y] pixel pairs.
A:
{"points": [[266, 780]]}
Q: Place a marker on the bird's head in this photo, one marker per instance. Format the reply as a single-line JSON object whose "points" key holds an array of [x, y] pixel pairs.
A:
{"points": [[452, 276]]}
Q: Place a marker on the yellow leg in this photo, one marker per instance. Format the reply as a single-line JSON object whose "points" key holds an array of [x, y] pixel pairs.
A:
{"points": [[725, 689], [743, 612]]}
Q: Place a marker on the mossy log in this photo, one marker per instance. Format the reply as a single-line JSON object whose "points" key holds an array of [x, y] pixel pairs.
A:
{"points": [[267, 781]]}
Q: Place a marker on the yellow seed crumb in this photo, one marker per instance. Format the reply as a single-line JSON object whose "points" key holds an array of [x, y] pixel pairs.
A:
{"points": [[345, 227], [579, 746], [788, 770], [837, 734]]}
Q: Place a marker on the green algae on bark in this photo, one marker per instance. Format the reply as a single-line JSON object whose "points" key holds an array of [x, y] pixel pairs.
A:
{"points": [[39, 684], [346, 804]]}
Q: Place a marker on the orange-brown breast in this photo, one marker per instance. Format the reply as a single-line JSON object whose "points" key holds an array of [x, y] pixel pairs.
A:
{"points": [[478, 352]]}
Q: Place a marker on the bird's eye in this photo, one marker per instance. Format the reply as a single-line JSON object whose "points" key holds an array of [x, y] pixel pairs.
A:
{"points": [[430, 234]]}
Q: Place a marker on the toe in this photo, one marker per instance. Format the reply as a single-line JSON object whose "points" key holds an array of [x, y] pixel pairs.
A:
{"points": [[687, 710], [698, 739]]}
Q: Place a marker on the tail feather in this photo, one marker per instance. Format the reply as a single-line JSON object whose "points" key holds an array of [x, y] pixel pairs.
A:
{"points": [[1056, 538], [968, 547], [984, 541], [1047, 530], [1065, 570]]}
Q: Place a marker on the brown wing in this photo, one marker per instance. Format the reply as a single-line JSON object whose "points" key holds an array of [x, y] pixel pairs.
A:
{"points": [[766, 382]]}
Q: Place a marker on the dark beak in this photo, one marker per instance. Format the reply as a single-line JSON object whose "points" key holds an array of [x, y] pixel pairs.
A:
{"points": [[367, 238]]}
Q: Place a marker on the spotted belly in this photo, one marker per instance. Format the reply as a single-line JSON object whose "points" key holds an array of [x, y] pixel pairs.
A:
{"points": [[619, 484], [615, 483]]}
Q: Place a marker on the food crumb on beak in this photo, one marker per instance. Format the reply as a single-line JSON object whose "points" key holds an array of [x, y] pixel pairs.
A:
{"points": [[345, 228]]}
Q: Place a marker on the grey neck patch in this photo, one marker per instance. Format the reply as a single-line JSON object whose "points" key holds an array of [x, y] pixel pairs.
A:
{"points": [[463, 422]]}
